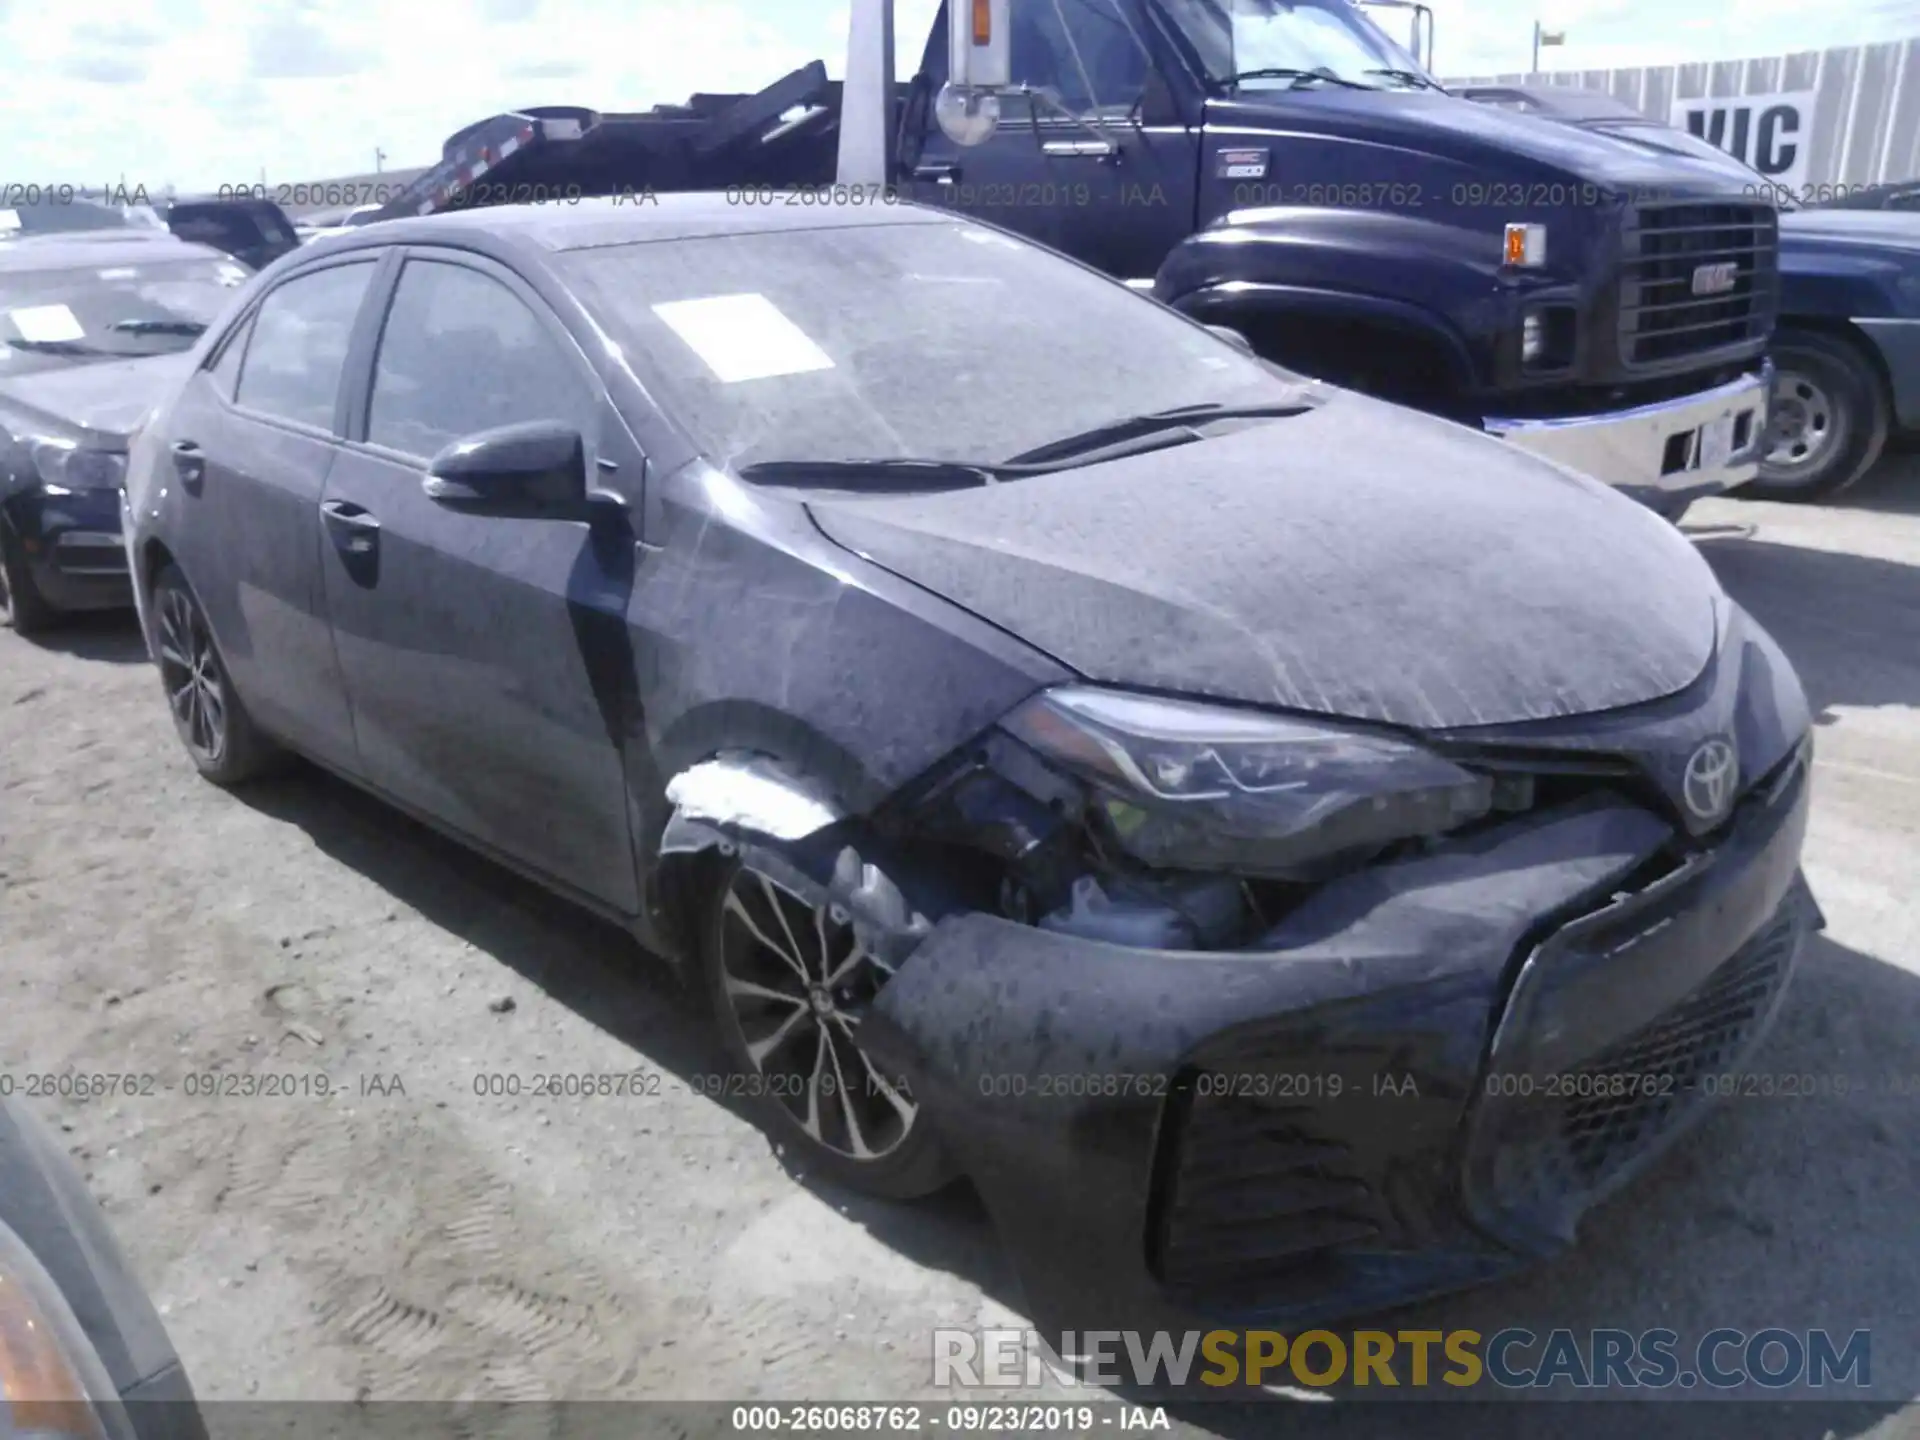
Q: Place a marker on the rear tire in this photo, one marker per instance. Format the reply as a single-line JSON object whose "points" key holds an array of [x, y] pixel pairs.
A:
{"points": [[22, 608], [787, 985], [1828, 419], [213, 724]]}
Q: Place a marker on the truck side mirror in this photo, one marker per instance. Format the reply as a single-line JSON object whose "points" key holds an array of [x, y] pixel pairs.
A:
{"points": [[979, 63]]}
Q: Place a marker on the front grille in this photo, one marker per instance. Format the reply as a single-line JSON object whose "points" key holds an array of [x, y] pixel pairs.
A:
{"points": [[1248, 1194], [83, 552], [1667, 250], [1602, 1118]]}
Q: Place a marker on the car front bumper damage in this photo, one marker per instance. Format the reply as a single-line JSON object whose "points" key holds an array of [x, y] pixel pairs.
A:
{"points": [[1408, 1085]]}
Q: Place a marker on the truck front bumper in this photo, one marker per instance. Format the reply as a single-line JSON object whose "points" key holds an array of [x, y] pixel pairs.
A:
{"points": [[1665, 455]]}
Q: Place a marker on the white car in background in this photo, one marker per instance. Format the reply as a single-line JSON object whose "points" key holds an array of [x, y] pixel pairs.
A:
{"points": [[335, 222]]}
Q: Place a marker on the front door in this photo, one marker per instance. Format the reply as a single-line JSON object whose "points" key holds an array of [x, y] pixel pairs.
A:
{"points": [[477, 697], [1104, 169]]}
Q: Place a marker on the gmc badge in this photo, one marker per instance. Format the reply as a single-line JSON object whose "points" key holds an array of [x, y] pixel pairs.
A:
{"points": [[1241, 165]]}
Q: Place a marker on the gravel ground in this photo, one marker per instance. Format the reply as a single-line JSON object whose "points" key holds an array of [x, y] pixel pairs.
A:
{"points": [[407, 1237]]}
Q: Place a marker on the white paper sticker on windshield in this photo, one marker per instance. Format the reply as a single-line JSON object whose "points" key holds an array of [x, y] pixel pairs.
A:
{"points": [[231, 275], [9, 221], [743, 337], [46, 323]]}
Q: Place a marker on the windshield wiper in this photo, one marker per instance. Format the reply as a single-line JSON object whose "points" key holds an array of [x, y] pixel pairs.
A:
{"points": [[159, 327], [1134, 427], [1406, 77], [1299, 77], [885, 474], [60, 347]]}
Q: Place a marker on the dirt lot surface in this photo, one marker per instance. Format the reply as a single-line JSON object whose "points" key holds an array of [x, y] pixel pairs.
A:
{"points": [[406, 1236]]}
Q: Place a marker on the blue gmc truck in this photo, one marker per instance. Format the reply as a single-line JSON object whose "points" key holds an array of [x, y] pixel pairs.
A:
{"points": [[1282, 168], [1846, 349]]}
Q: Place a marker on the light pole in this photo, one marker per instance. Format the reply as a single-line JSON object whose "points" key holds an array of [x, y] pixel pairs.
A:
{"points": [[1544, 37]]}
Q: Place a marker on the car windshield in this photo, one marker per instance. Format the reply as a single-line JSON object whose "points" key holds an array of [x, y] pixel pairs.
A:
{"points": [[76, 316], [1241, 38], [939, 341]]}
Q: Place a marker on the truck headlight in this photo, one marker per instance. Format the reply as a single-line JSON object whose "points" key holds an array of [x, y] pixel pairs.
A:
{"points": [[64, 467], [1546, 337], [53, 1384], [1526, 246], [1190, 786]]}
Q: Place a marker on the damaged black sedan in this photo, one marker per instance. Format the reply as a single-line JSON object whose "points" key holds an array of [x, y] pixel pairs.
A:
{"points": [[1290, 853]]}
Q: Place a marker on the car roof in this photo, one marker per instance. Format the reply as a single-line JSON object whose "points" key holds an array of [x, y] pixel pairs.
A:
{"points": [[634, 218], [82, 249]]}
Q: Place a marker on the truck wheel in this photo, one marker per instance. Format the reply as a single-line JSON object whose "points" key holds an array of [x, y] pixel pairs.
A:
{"points": [[22, 608], [1827, 420], [788, 986], [221, 739]]}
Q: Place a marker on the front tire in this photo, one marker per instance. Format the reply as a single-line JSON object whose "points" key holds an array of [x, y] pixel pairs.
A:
{"points": [[1827, 421], [788, 985], [220, 737], [22, 608]]}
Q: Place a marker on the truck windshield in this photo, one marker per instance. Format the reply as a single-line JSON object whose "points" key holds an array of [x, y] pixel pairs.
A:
{"points": [[1278, 44], [940, 341], [72, 316]]}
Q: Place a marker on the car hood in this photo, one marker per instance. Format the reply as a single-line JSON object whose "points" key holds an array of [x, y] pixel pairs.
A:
{"points": [[1884, 230], [1485, 137], [99, 403], [1360, 561]]}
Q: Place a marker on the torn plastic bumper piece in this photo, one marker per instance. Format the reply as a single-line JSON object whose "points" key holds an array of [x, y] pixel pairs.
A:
{"points": [[1169, 1139], [742, 792]]}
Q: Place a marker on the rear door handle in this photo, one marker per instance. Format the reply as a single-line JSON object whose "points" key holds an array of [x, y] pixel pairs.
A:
{"points": [[354, 530], [190, 462], [938, 173]]}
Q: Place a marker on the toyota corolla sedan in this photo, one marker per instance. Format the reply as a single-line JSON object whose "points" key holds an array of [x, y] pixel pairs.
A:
{"points": [[94, 326], [1292, 854]]}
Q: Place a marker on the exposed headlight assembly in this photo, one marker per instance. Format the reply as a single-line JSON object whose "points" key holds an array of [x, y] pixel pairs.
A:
{"points": [[1189, 786], [53, 1384], [64, 467]]}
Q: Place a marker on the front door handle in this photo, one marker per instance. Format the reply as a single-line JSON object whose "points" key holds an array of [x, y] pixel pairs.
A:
{"points": [[354, 530], [939, 172], [190, 463]]}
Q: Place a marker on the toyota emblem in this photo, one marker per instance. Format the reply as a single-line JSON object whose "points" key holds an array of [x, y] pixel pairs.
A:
{"points": [[1713, 772]]}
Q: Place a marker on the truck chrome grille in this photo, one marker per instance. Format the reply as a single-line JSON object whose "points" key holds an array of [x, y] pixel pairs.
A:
{"points": [[1696, 279], [1249, 1195]]}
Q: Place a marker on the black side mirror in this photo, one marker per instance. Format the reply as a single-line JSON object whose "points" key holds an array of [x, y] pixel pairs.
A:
{"points": [[532, 471], [1233, 337]]}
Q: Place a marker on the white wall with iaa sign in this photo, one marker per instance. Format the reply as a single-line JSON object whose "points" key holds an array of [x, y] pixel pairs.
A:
{"points": [[1812, 119]]}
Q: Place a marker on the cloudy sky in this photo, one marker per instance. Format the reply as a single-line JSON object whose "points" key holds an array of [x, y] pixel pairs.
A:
{"points": [[204, 92]]}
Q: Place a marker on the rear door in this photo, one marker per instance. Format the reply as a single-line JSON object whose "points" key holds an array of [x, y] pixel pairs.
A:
{"points": [[253, 437], [1108, 175], [471, 646]]}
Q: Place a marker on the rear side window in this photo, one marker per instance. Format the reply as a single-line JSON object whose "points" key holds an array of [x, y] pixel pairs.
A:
{"points": [[460, 353], [299, 344]]}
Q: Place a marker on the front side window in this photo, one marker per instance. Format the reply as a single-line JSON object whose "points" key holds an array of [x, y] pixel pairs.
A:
{"points": [[1085, 52], [298, 350], [461, 353]]}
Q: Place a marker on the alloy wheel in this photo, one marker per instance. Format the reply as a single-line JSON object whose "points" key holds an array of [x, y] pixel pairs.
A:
{"points": [[798, 984], [190, 671], [1803, 429]]}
